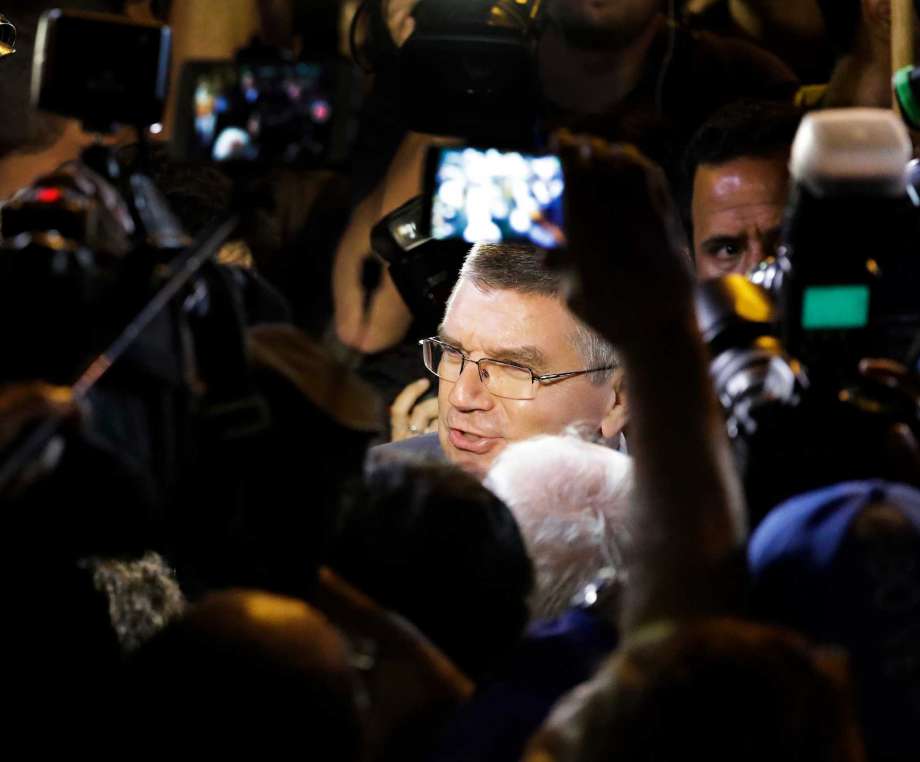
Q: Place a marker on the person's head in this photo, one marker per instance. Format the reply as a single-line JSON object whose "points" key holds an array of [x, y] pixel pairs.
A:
{"points": [[717, 689], [603, 23], [842, 565], [570, 499], [432, 544], [508, 306], [247, 669], [737, 180]]}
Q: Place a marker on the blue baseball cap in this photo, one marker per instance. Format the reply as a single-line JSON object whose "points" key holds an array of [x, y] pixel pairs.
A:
{"points": [[813, 567]]}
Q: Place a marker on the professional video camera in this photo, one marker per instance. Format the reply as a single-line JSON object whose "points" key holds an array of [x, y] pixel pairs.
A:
{"points": [[267, 107], [788, 342], [104, 292], [469, 69]]}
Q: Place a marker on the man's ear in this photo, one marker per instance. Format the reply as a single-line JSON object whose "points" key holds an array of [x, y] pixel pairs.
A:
{"points": [[617, 414]]}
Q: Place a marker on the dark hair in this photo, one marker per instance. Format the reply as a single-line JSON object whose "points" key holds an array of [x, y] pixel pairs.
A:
{"points": [[743, 128], [841, 22], [434, 545]]}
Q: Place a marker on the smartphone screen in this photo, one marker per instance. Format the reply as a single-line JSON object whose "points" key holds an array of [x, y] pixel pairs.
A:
{"points": [[490, 196], [272, 113]]}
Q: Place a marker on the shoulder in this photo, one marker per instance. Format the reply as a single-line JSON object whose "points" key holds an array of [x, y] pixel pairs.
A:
{"points": [[421, 448]]}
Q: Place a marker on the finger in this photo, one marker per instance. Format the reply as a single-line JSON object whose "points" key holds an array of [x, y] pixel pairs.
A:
{"points": [[422, 415], [408, 27], [891, 374], [904, 453], [407, 398], [882, 367]]}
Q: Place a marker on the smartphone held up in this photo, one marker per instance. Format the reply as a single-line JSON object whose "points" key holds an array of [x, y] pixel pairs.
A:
{"points": [[494, 196]]}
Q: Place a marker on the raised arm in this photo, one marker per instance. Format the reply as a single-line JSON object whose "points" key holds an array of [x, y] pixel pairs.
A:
{"points": [[636, 288]]}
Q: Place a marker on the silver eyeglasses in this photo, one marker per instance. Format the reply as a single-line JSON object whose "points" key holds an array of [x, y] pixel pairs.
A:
{"points": [[500, 378]]}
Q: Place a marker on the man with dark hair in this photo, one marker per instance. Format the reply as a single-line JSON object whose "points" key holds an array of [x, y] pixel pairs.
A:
{"points": [[736, 181], [435, 546], [513, 361]]}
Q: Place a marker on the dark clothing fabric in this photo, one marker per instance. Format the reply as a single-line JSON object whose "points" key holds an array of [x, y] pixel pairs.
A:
{"points": [[815, 66], [425, 447], [552, 659]]}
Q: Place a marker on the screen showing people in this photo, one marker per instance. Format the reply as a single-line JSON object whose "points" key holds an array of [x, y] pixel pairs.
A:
{"points": [[272, 113], [486, 195]]}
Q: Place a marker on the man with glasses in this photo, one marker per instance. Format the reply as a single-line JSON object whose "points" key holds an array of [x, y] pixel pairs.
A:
{"points": [[512, 361]]}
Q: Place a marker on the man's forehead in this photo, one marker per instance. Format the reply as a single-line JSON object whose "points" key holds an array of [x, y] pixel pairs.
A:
{"points": [[743, 180], [500, 320]]}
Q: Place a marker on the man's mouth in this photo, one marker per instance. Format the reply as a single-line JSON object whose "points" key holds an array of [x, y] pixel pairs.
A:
{"points": [[471, 442]]}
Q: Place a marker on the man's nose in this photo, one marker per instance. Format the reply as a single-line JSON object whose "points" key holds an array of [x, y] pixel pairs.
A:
{"points": [[469, 393]]}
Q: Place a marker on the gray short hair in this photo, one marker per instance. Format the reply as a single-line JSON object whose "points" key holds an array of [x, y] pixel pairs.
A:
{"points": [[523, 268], [570, 499]]}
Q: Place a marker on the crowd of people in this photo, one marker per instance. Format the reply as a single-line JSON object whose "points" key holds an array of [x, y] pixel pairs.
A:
{"points": [[299, 516]]}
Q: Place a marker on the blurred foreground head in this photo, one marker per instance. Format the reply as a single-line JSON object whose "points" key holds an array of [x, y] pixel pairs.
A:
{"points": [[248, 670], [570, 499], [721, 690], [842, 565], [433, 545]]}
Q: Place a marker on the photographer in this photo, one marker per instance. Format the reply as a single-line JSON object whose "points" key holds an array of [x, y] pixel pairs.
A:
{"points": [[615, 69]]}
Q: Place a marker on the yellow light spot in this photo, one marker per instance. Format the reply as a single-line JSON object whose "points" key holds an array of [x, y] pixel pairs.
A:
{"points": [[268, 608]]}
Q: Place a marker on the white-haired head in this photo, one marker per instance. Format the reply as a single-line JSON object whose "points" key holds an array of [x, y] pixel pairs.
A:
{"points": [[570, 499]]}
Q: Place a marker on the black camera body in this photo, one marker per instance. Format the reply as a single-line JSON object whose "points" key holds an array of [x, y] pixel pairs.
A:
{"points": [[468, 69], [850, 256], [787, 342], [423, 270]]}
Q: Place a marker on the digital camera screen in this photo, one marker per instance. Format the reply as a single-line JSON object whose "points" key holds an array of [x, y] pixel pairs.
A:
{"points": [[490, 196], [830, 307], [271, 113]]}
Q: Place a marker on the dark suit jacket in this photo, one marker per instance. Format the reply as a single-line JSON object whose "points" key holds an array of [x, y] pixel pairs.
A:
{"points": [[425, 447]]}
